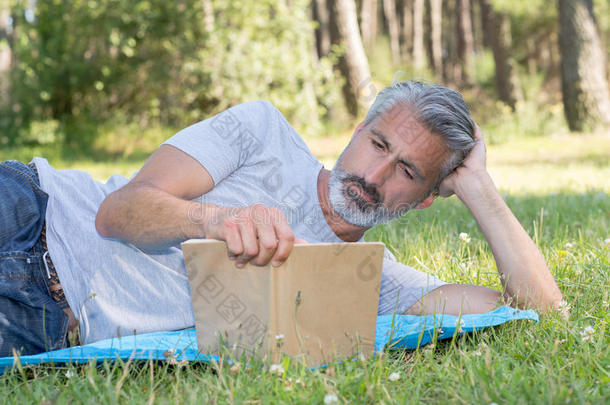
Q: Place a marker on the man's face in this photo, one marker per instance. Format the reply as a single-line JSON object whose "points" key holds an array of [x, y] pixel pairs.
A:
{"points": [[389, 167]]}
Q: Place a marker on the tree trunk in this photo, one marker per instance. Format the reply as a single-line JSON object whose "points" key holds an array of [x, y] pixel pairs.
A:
{"points": [[465, 45], [389, 10], [486, 17], [507, 80], [368, 22], [435, 46], [406, 29], [583, 78], [419, 61], [353, 64], [321, 15], [451, 65]]}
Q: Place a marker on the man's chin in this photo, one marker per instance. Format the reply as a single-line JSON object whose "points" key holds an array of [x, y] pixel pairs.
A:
{"points": [[369, 219]]}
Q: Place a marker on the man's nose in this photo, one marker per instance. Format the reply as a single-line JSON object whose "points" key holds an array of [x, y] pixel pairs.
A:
{"points": [[379, 171]]}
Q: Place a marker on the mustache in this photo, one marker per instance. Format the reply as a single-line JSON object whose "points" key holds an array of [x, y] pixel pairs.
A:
{"points": [[364, 186]]}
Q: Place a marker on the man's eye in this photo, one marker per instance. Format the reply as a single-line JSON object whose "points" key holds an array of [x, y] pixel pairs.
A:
{"points": [[377, 144], [406, 172]]}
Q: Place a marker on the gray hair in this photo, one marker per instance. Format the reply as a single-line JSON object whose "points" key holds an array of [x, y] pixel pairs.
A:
{"points": [[441, 110]]}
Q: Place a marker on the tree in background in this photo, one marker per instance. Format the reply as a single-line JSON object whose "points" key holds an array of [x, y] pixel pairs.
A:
{"points": [[583, 62], [405, 11], [435, 44], [389, 10], [158, 62], [419, 57], [154, 62], [499, 30], [321, 16], [368, 22], [263, 49], [353, 62], [465, 43]]}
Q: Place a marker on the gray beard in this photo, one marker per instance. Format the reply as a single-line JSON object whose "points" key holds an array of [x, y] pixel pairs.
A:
{"points": [[358, 213]]}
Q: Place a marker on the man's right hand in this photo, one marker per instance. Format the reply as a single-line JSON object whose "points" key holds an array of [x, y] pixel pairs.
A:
{"points": [[255, 234]]}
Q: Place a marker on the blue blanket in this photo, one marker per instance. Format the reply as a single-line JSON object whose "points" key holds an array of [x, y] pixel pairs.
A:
{"points": [[399, 331]]}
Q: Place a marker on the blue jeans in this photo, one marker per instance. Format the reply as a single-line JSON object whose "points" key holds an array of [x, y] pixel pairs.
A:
{"points": [[30, 320]]}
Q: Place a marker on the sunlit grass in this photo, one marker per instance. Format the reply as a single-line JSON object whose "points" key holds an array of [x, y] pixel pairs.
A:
{"points": [[558, 187]]}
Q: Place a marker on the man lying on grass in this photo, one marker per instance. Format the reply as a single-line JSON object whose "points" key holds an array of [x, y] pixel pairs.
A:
{"points": [[246, 177]]}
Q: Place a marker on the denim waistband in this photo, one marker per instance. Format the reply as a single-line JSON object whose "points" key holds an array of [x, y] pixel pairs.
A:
{"points": [[55, 289]]}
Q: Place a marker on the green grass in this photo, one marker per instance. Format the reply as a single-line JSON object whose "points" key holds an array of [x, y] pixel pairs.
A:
{"points": [[557, 186]]}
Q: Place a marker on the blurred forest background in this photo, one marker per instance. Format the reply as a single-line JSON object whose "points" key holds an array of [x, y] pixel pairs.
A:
{"points": [[74, 71]]}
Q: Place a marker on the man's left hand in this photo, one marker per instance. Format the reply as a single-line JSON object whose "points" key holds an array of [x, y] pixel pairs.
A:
{"points": [[473, 165]]}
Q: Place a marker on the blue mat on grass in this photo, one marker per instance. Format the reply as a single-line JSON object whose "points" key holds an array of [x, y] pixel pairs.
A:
{"points": [[399, 331]]}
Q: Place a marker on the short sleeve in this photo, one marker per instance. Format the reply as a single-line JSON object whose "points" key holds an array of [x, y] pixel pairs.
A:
{"points": [[224, 142], [402, 286]]}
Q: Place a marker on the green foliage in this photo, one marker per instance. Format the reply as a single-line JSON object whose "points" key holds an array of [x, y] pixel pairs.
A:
{"points": [[264, 49], [153, 62], [86, 60], [539, 114]]}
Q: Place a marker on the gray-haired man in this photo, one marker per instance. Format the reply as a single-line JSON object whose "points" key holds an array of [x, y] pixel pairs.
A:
{"points": [[246, 177]]}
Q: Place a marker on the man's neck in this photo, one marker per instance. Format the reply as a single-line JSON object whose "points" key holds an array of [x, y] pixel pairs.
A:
{"points": [[344, 230]]}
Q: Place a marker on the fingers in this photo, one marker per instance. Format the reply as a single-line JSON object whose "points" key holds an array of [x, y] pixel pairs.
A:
{"points": [[478, 135], [285, 241], [232, 237], [477, 132], [267, 244], [250, 243], [258, 235]]}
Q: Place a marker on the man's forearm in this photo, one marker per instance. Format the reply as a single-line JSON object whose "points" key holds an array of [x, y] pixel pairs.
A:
{"points": [[149, 217], [522, 267]]}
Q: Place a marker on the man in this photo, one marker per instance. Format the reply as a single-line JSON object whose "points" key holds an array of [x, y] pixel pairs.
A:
{"points": [[246, 177]]}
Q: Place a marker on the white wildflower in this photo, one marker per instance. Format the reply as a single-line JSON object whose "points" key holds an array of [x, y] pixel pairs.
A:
{"points": [[170, 357], [235, 368], [330, 399], [279, 336], [459, 323], [568, 245], [607, 241], [464, 237], [476, 353], [586, 335], [564, 309], [276, 369], [70, 373], [394, 376]]}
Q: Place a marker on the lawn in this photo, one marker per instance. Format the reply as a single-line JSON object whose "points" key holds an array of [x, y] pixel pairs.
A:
{"points": [[557, 186]]}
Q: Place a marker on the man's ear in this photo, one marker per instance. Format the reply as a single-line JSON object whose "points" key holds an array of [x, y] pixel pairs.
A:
{"points": [[425, 203]]}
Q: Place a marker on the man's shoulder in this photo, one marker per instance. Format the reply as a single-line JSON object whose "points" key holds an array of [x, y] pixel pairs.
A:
{"points": [[259, 108]]}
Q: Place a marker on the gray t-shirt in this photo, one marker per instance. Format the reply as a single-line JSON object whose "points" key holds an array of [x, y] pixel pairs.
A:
{"points": [[254, 156]]}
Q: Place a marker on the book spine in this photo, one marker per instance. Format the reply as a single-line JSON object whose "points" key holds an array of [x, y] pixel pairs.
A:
{"points": [[274, 313]]}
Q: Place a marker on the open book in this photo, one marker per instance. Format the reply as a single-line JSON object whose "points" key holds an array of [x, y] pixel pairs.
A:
{"points": [[319, 305]]}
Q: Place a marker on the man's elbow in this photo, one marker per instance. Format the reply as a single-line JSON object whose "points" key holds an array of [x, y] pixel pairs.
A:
{"points": [[544, 301], [103, 224], [555, 301]]}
